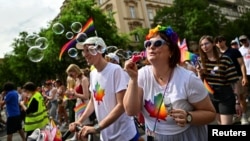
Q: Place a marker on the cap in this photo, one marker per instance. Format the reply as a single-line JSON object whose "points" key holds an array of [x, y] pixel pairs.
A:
{"points": [[233, 42], [114, 56], [48, 82], [91, 40], [242, 37]]}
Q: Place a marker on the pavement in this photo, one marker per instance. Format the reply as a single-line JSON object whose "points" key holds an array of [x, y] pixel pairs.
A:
{"points": [[16, 136]]}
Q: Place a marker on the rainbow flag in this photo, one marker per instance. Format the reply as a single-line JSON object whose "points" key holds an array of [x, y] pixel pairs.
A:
{"points": [[89, 26], [208, 88], [182, 45], [187, 55], [55, 132], [79, 109]]}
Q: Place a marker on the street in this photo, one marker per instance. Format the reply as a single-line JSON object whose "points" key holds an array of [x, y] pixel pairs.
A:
{"points": [[16, 137]]}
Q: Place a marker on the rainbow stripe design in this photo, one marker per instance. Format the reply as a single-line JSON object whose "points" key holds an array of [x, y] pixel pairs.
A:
{"points": [[208, 88], [89, 26], [187, 55], [79, 109], [156, 109]]}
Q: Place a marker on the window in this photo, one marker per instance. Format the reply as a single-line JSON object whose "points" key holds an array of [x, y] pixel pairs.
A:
{"points": [[137, 39], [132, 11], [150, 14], [109, 10], [100, 2]]}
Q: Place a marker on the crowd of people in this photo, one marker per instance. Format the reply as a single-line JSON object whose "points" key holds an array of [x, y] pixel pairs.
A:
{"points": [[106, 98]]}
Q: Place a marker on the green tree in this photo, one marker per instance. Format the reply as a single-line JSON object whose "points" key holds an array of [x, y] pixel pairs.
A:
{"points": [[191, 18], [18, 68]]}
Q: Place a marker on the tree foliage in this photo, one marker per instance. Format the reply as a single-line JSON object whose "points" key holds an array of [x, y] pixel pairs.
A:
{"points": [[18, 68], [191, 18]]}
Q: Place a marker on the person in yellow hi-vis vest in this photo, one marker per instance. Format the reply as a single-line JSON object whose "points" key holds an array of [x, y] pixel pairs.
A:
{"points": [[36, 113]]}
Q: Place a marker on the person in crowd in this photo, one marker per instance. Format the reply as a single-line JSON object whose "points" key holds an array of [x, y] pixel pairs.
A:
{"points": [[244, 50], [52, 99], [80, 91], [173, 100], [21, 98], [113, 58], [219, 73], [2, 117], [234, 44], [240, 88], [61, 109], [36, 113], [14, 120], [71, 102], [107, 87]]}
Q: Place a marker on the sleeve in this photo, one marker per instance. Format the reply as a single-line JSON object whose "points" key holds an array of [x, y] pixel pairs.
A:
{"points": [[231, 73], [121, 81], [141, 80], [196, 89], [237, 53], [33, 107]]}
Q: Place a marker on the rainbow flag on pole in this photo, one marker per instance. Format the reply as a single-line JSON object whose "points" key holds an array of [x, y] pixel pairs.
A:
{"points": [[55, 132], [89, 26]]}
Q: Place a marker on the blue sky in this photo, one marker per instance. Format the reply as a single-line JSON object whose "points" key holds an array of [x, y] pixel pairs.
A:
{"points": [[27, 15]]}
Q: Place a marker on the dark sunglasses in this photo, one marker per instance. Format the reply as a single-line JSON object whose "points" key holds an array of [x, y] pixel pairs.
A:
{"points": [[243, 40], [155, 43]]}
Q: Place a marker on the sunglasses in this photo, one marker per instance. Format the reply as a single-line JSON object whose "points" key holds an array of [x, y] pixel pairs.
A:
{"points": [[155, 43], [243, 40], [93, 50]]}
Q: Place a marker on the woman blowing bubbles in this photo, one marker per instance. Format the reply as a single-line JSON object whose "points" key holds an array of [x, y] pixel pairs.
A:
{"points": [[150, 89]]}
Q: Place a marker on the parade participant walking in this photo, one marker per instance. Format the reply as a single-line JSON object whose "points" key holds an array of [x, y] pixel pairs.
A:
{"points": [[244, 50], [173, 100], [220, 74], [80, 91], [240, 88], [14, 119], [36, 112], [107, 86]]}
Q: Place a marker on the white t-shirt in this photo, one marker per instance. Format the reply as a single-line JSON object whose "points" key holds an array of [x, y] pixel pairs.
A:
{"points": [[103, 87], [184, 88], [245, 52]]}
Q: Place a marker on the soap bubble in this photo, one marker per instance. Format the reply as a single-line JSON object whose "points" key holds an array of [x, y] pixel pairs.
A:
{"points": [[81, 37], [30, 40], [72, 52], [42, 42], [76, 27], [58, 28], [110, 49], [35, 54], [69, 35]]}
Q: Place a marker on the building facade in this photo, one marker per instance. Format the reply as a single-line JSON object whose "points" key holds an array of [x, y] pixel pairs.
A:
{"points": [[130, 14]]}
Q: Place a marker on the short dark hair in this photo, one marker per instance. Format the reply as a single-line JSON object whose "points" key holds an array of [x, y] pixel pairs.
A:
{"points": [[59, 82], [9, 86], [219, 39], [30, 86]]}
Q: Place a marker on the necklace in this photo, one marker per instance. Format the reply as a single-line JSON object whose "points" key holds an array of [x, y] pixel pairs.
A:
{"points": [[162, 77]]}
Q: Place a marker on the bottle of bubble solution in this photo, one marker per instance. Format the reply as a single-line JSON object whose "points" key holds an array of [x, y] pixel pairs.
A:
{"points": [[168, 104]]}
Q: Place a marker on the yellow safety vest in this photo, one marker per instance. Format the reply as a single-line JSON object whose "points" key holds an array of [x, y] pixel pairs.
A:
{"points": [[40, 118]]}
